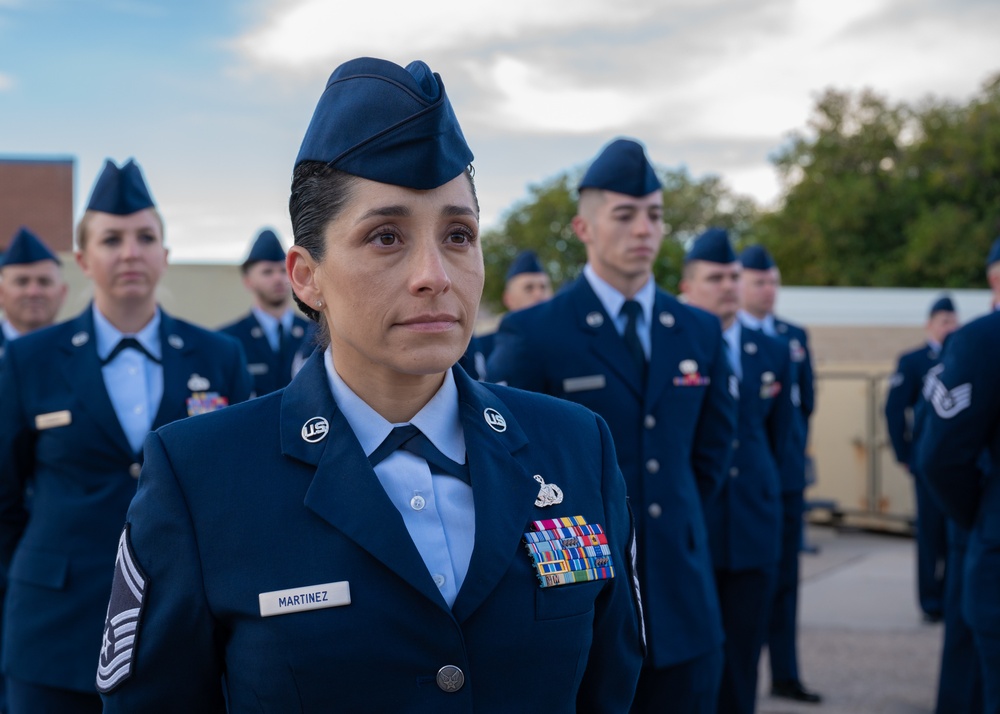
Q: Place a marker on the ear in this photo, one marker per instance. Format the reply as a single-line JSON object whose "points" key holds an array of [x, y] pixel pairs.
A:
{"points": [[581, 227], [302, 274], [81, 261]]}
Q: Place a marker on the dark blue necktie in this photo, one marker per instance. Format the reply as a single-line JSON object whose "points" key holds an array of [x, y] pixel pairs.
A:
{"points": [[631, 310], [129, 343], [411, 439]]}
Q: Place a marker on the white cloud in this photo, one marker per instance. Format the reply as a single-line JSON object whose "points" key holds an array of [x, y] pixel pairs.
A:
{"points": [[6, 81], [314, 32]]}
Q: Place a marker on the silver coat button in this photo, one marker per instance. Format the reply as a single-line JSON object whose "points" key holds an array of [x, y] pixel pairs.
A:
{"points": [[450, 678], [134, 470], [649, 422], [655, 510], [652, 466], [736, 443], [734, 472]]}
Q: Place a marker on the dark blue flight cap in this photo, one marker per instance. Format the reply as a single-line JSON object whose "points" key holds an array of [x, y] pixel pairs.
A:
{"points": [[756, 257], [714, 246], [943, 304], [622, 167], [525, 262], [266, 246], [384, 123], [26, 248], [121, 191], [994, 254]]}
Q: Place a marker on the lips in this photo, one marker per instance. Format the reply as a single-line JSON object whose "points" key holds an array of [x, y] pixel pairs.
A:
{"points": [[436, 322]]}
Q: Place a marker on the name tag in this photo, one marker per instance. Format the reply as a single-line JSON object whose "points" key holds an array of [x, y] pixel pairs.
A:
{"points": [[582, 384], [53, 419], [310, 597]]}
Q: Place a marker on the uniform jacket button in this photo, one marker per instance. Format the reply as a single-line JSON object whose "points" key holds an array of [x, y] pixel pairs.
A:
{"points": [[655, 510], [652, 466], [649, 422], [734, 472], [134, 470], [450, 678]]}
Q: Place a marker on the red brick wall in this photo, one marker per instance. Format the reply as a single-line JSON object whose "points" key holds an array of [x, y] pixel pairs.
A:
{"points": [[37, 193]]}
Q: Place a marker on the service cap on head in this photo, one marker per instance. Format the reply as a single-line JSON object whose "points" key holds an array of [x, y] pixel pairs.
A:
{"points": [[266, 246], [994, 254], [622, 167], [943, 304], [756, 257], [524, 262], [121, 191], [26, 248], [713, 246], [385, 123]]}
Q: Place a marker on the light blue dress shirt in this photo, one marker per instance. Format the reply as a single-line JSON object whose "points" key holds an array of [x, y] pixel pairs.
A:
{"points": [[9, 331], [733, 336], [437, 510], [134, 382], [765, 325], [612, 301], [269, 323]]}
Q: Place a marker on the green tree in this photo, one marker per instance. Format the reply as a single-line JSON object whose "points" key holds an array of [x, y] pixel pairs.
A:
{"points": [[542, 223]]}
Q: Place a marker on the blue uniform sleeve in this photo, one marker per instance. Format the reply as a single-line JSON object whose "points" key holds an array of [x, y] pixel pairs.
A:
{"points": [[514, 360], [962, 416], [712, 449], [16, 460], [904, 390], [618, 647], [174, 663], [806, 380], [780, 420], [242, 382]]}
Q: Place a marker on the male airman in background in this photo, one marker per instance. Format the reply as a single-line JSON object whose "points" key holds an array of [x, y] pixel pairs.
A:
{"points": [[744, 521], [656, 371], [276, 340], [902, 415], [759, 289], [32, 288], [526, 284]]}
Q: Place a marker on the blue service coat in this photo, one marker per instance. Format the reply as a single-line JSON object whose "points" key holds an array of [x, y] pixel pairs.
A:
{"points": [[272, 370], [744, 521], [673, 438], [803, 395], [905, 386], [59, 430], [239, 503]]}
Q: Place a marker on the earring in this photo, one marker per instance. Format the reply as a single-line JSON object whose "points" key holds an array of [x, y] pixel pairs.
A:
{"points": [[319, 303]]}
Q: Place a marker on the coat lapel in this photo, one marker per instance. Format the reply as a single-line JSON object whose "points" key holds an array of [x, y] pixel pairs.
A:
{"points": [[663, 335], [82, 371], [604, 341], [174, 349], [345, 492], [504, 492]]}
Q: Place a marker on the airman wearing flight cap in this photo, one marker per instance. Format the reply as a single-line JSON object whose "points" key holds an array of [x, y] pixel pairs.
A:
{"points": [[526, 284], [32, 288], [78, 400], [959, 456], [759, 284], [273, 335], [385, 534], [903, 412], [655, 370], [744, 523]]}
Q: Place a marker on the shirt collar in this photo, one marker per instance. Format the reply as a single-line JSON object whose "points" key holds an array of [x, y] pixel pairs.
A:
{"points": [[765, 324], [269, 321], [9, 331], [108, 335], [438, 419], [733, 335], [612, 300]]}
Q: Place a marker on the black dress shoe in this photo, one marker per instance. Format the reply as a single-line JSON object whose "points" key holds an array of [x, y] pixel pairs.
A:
{"points": [[794, 690]]}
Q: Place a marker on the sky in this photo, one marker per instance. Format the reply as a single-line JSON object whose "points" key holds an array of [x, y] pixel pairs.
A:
{"points": [[212, 98]]}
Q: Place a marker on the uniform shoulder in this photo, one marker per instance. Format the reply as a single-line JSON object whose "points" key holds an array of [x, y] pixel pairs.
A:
{"points": [[774, 346], [219, 426], [792, 329], [913, 356], [235, 327], [197, 333], [542, 408], [45, 339], [983, 329], [691, 314]]}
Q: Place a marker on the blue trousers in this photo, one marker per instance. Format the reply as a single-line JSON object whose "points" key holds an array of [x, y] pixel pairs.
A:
{"points": [[960, 684], [745, 598], [783, 625], [691, 687], [932, 549]]}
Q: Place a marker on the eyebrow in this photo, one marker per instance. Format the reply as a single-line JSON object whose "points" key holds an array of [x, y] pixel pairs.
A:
{"points": [[404, 211]]}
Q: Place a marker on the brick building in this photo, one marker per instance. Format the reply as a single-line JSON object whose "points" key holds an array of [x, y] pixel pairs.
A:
{"points": [[37, 192]]}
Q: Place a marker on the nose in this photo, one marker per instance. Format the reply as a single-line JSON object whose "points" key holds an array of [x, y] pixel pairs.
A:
{"points": [[428, 269], [130, 247]]}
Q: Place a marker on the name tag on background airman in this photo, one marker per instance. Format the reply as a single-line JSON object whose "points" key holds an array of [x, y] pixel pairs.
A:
{"points": [[582, 384], [310, 597], [53, 419]]}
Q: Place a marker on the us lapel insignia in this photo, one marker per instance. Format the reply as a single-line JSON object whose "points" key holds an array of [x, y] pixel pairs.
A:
{"points": [[549, 494], [568, 550], [666, 319], [176, 341], [315, 429], [297, 331], [80, 339], [595, 319], [495, 419], [750, 348], [256, 333]]}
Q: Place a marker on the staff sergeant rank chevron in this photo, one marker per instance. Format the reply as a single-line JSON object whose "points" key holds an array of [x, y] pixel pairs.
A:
{"points": [[946, 402]]}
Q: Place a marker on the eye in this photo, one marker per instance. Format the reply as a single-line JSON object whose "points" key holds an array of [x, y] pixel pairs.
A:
{"points": [[111, 240], [147, 238], [384, 237], [461, 235]]}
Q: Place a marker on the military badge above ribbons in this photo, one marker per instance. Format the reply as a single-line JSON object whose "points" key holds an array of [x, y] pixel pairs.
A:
{"points": [[568, 550], [122, 623]]}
